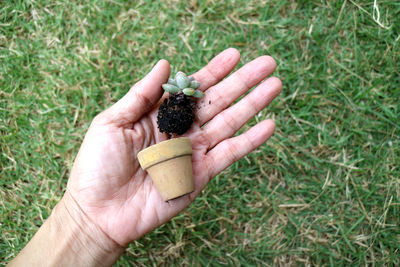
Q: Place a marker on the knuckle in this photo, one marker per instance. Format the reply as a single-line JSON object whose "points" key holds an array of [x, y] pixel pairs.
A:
{"points": [[143, 100], [100, 118]]}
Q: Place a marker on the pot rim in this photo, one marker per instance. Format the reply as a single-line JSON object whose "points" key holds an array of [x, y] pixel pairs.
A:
{"points": [[163, 151]]}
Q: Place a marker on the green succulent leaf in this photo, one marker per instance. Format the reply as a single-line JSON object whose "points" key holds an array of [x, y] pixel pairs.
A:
{"points": [[190, 79], [180, 73], [189, 91], [182, 80], [194, 84], [172, 81], [170, 88], [198, 94]]}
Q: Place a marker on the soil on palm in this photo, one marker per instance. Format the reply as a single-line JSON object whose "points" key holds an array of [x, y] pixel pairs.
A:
{"points": [[176, 114]]}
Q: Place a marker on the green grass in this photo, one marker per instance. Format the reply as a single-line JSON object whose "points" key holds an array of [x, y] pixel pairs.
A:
{"points": [[324, 191]]}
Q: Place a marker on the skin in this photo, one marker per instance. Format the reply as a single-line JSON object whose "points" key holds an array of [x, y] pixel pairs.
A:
{"points": [[108, 190]]}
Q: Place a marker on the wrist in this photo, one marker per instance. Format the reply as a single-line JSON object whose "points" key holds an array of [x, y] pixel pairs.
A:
{"points": [[69, 238], [82, 238]]}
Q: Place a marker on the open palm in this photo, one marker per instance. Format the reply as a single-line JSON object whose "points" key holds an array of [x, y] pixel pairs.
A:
{"points": [[107, 182]]}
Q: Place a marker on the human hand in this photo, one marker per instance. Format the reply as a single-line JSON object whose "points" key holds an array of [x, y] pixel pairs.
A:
{"points": [[107, 184]]}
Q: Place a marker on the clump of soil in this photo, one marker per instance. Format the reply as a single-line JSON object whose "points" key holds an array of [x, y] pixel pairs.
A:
{"points": [[176, 114]]}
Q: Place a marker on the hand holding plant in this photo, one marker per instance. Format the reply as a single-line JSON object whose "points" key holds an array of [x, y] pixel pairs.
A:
{"points": [[107, 181]]}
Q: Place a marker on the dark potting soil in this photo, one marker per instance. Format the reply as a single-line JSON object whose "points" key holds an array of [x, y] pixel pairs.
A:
{"points": [[176, 114]]}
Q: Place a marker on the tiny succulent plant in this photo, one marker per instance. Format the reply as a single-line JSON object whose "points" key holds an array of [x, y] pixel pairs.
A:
{"points": [[176, 113], [182, 83]]}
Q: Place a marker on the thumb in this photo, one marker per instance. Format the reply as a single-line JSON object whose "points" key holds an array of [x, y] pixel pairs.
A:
{"points": [[140, 98]]}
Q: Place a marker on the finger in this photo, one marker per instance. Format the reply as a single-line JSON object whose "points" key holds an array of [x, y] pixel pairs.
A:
{"points": [[220, 66], [233, 149], [233, 118], [140, 98], [224, 93]]}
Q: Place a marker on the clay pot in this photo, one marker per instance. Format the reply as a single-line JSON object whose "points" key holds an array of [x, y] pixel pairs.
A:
{"points": [[169, 164]]}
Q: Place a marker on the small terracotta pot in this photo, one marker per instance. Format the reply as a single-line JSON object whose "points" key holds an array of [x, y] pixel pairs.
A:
{"points": [[169, 165]]}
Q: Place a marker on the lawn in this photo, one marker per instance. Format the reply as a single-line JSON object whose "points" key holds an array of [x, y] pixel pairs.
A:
{"points": [[323, 191]]}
